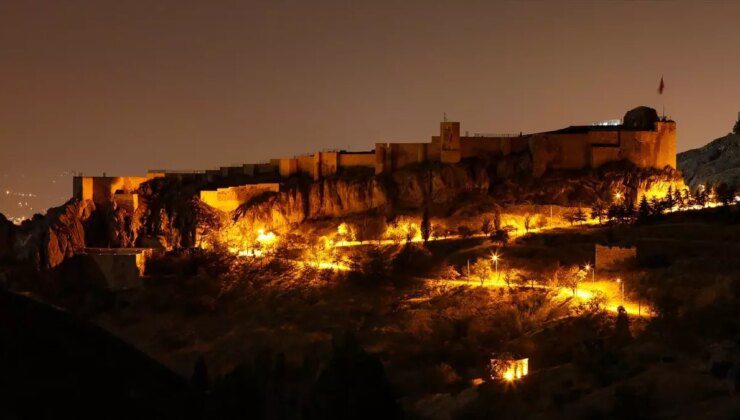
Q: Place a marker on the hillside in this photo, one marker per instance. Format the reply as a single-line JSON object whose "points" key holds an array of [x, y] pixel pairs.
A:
{"points": [[718, 161], [55, 365]]}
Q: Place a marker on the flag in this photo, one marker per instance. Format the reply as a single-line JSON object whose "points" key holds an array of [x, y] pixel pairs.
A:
{"points": [[661, 86]]}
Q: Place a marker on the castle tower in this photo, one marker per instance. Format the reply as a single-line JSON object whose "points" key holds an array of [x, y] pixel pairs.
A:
{"points": [[449, 133]]}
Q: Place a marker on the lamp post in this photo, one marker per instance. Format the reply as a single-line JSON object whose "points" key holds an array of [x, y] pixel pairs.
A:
{"points": [[494, 258], [588, 267]]}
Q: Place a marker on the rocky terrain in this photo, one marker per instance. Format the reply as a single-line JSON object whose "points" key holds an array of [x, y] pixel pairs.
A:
{"points": [[716, 162]]}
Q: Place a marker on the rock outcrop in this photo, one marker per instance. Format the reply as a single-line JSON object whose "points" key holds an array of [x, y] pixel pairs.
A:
{"points": [[716, 162], [46, 241], [170, 214]]}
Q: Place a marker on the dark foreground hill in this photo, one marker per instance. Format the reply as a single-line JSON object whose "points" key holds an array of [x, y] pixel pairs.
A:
{"points": [[55, 366], [716, 162]]}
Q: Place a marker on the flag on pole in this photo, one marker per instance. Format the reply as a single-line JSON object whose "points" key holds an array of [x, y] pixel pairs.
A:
{"points": [[661, 86]]}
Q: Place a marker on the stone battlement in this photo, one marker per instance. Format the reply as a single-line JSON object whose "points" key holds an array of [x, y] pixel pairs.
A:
{"points": [[642, 139]]}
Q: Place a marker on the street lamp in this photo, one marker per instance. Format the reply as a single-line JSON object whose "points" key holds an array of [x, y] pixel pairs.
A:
{"points": [[494, 258], [593, 271], [621, 284]]}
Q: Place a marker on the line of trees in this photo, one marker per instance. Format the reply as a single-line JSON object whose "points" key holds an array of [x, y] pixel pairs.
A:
{"points": [[674, 199]]}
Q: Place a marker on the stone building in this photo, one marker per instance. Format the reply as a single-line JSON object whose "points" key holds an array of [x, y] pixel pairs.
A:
{"points": [[642, 139]]}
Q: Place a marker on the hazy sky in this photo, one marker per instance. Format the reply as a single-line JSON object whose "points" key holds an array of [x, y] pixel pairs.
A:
{"points": [[124, 86]]}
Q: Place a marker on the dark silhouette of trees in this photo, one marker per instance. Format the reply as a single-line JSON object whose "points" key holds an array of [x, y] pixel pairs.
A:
{"points": [[352, 386], [725, 194], [678, 199], [598, 211], [580, 216], [199, 380], [486, 226], [669, 202], [630, 212], [501, 236], [622, 334], [527, 222], [464, 231], [736, 128], [643, 211], [426, 226], [656, 207]]}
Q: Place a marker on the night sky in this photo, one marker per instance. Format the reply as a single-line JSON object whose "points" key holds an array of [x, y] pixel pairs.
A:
{"points": [[125, 86]]}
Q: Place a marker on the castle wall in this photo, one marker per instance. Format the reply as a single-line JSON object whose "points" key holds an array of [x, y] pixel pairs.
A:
{"points": [[492, 146], [121, 268], [559, 151], [101, 189], [306, 164], [481, 146], [363, 159], [651, 149], [604, 154], [230, 198], [325, 164]]}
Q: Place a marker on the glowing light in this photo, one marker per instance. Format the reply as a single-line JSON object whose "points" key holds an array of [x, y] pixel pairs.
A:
{"points": [[343, 229], [268, 238], [508, 369], [618, 196]]}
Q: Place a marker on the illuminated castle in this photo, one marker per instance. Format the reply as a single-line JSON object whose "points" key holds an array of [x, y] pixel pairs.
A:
{"points": [[641, 138]]}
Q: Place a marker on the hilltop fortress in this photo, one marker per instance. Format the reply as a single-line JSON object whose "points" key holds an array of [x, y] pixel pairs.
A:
{"points": [[641, 138]]}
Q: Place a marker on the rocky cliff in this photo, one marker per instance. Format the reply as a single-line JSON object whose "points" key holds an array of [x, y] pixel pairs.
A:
{"points": [[716, 162], [46, 241], [171, 216]]}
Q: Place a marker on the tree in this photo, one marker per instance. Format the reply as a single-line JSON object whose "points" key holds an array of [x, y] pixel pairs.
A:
{"points": [[527, 222], [629, 210], [482, 269], [700, 197], [614, 212], [497, 221], [501, 236], [426, 226], [643, 211], [410, 233], [678, 199], [464, 231], [598, 211], [656, 207], [570, 278], [725, 194], [669, 198], [571, 218], [580, 216], [736, 128], [486, 226]]}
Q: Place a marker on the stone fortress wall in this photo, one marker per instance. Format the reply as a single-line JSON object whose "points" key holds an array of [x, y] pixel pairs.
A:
{"points": [[643, 139], [230, 198]]}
